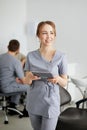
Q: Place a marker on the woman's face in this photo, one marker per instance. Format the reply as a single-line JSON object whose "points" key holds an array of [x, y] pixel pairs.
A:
{"points": [[46, 35]]}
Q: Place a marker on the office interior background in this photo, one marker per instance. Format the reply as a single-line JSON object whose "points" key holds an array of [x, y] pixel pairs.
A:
{"points": [[19, 18]]}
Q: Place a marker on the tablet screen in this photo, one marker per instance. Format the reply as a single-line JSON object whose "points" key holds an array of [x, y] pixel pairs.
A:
{"points": [[43, 75]]}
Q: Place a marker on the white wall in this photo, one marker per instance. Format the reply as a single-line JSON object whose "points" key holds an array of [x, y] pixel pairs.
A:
{"points": [[13, 17]]}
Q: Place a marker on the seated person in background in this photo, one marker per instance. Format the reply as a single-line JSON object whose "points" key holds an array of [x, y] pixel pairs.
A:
{"points": [[11, 73], [21, 57]]}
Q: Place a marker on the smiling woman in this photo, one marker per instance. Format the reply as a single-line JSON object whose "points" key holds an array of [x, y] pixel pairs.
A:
{"points": [[43, 99]]}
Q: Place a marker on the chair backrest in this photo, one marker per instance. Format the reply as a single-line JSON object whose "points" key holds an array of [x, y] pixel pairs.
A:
{"points": [[65, 97]]}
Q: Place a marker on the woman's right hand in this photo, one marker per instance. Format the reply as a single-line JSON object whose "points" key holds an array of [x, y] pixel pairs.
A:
{"points": [[30, 77]]}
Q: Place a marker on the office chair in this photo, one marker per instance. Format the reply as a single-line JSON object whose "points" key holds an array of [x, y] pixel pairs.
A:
{"points": [[65, 97], [73, 118], [5, 106]]}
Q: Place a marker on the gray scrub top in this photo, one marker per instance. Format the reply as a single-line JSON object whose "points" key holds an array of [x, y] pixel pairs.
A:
{"points": [[43, 97], [10, 68]]}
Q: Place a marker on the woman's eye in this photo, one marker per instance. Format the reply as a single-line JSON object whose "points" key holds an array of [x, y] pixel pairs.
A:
{"points": [[44, 33], [47, 33], [51, 33]]}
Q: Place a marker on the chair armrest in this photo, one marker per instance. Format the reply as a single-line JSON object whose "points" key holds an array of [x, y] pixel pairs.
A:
{"points": [[80, 101]]}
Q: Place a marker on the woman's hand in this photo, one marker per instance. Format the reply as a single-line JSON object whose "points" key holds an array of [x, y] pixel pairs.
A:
{"points": [[61, 80], [53, 80], [30, 77]]}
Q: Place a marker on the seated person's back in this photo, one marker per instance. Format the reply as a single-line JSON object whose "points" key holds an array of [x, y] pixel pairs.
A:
{"points": [[11, 73]]}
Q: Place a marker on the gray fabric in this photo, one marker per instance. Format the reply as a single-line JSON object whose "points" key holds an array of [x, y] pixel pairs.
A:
{"points": [[43, 97], [42, 123], [10, 68]]}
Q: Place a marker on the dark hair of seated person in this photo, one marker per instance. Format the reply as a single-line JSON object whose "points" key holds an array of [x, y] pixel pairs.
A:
{"points": [[13, 45]]}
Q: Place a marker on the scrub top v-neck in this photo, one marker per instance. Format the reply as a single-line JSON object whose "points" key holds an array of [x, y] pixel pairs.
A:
{"points": [[43, 97]]}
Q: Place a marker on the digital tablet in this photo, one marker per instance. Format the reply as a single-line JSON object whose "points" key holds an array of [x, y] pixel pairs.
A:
{"points": [[43, 75]]}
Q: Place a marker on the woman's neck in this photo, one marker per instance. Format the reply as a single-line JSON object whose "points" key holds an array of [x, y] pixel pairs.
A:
{"points": [[46, 49], [47, 52]]}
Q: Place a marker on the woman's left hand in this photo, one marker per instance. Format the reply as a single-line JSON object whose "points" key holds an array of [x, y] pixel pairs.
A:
{"points": [[53, 80], [61, 80]]}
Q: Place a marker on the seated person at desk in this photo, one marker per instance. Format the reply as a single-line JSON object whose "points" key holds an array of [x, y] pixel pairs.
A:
{"points": [[11, 73], [21, 57]]}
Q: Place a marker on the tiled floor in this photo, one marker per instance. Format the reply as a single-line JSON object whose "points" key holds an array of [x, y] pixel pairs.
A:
{"points": [[15, 123]]}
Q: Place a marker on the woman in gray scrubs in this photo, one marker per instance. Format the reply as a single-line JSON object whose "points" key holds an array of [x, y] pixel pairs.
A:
{"points": [[43, 99]]}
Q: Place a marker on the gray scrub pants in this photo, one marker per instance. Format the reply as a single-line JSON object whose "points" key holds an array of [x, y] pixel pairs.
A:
{"points": [[42, 123], [16, 88], [21, 88]]}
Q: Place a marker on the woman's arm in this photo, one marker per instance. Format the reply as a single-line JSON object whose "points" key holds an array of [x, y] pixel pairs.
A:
{"points": [[61, 80], [29, 77]]}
